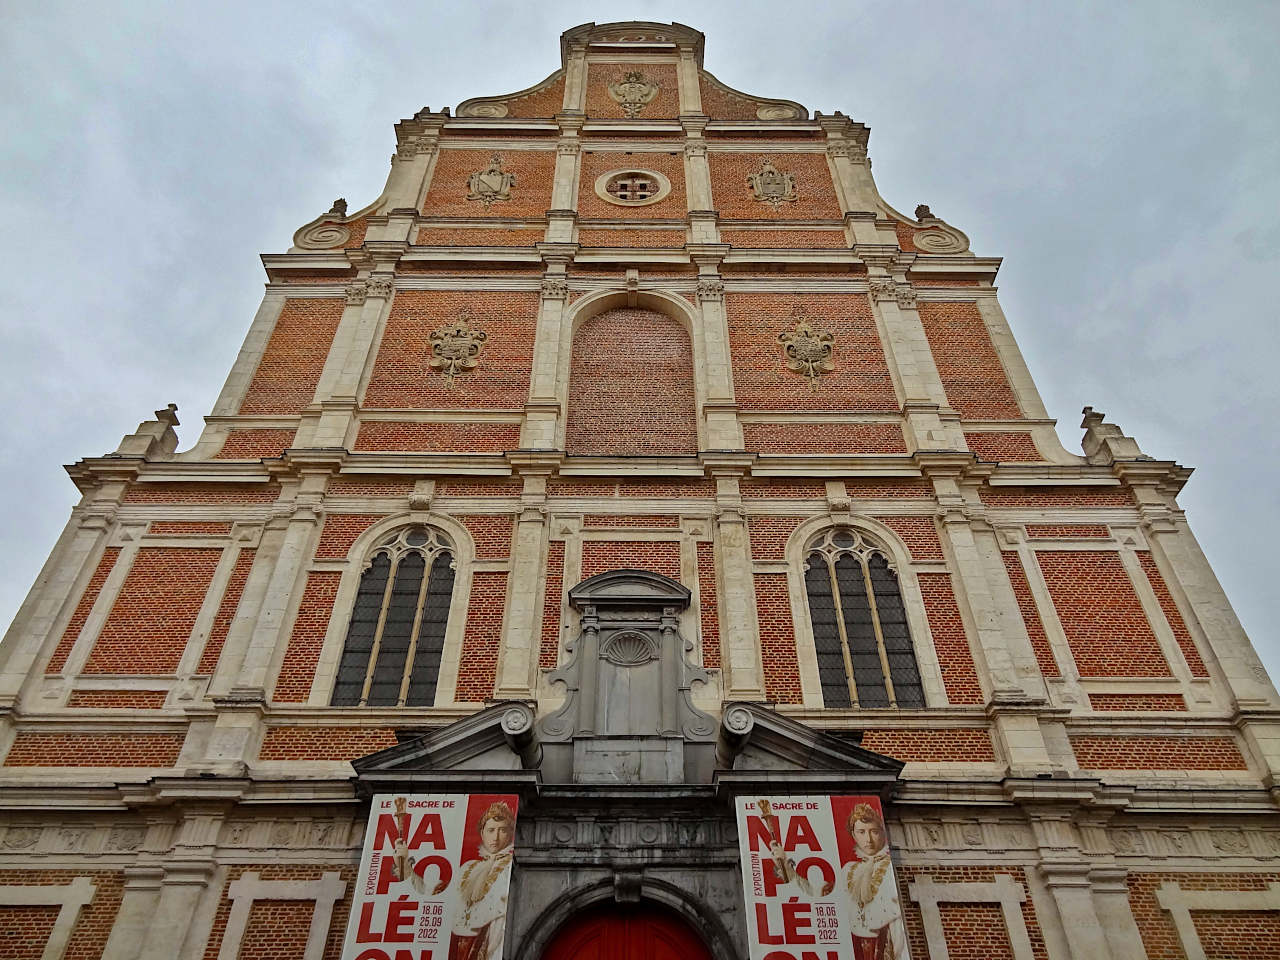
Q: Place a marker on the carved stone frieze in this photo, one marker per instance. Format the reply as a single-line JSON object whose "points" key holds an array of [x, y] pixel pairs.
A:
{"points": [[357, 293], [772, 186], [808, 350], [20, 838], [455, 347], [492, 184], [633, 91]]}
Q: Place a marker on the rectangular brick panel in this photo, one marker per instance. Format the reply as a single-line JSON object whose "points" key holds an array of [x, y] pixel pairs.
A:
{"points": [[708, 606], [552, 603], [83, 608], [202, 493], [942, 745], [369, 487], [733, 197], [789, 239], [1068, 531], [920, 534], [1157, 753], [823, 439], [1055, 498], [647, 488], [290, 368], [260, 940], [478, 668], [1172, 615], [1030, 615], [307, 639], [324, 743], [780, 488], [340, 531], [19, 940], [659, 556], [479, 236], [975, 382], [598, 162], [403, 377], [530, 194], [277, 929], [1153, 702], [889, 489], [976, 935], [226, 611], [959, 676], [1252, 936], [762, 381], [492, 535], [118, 699], [480, 487], [1101, 615], [1011, 447], [664, 105], [189, 528], [254, 444], [631, 238], [151, 620], [94, 750], [480, 437], [769, 536], [777, 639], [647, 522]]}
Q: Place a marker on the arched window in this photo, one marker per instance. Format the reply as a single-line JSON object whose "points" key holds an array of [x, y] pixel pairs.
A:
{"points": [[396, 635], [865, 656]]}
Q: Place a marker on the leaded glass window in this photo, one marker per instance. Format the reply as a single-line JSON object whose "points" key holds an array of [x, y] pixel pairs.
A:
{"points": [[396, 634], [865, 656]]}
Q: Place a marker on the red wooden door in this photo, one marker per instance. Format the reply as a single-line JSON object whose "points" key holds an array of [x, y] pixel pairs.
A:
{"points": [[620, 932]]}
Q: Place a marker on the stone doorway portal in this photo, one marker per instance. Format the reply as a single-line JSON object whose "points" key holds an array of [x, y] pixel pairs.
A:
{"points": [[626, 932]]}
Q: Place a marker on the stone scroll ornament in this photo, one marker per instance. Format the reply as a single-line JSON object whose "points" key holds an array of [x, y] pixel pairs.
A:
{"points": [[455, 348], [634, 91], [808, 350], [772, 186], [492, 183]]}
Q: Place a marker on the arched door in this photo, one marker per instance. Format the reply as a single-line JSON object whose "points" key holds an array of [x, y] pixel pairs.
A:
{"points": [[619, 932]]}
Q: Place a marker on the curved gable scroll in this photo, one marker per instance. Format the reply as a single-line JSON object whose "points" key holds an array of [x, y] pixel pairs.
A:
{"points": [[542, 100]]}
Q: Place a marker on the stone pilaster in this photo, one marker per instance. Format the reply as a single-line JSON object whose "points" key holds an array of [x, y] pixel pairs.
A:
{"points": [[740, 653], [542, 428], [719, 406], [690, 87], [187, 871]]}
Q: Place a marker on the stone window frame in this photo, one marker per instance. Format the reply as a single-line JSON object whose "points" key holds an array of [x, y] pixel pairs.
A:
{"points": [[602, 183], [1005, 891], [351, 569], [250, 887], [70, 899], [935, 694], [1179, 903]]}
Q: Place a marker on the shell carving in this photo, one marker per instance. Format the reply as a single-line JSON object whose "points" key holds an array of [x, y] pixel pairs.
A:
{"points": [[629, 649]]}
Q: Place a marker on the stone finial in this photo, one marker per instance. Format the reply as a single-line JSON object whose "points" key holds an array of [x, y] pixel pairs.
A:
{"points": [[1105, 442], [153, 438], [339, 208], [924, 213]]}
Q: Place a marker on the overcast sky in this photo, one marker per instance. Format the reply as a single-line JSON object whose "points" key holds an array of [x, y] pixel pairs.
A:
{"points": [[1122, 158]]}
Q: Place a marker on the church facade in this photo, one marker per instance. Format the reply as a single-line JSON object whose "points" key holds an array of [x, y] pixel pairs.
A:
{"points": [[630, 454]]}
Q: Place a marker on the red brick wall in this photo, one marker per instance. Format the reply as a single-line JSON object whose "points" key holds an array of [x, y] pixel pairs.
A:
{"points": [[303, 652], [83, 608], [530, 194], [1158, 702], [920, 534], [552, 602], [965, 938], [631, 387], [340, 531], [1003, 447], [975, 930], [403, 376], [597, 162], [827, 439], [769, 536], [777, 639], [631, 238], [477, 437], [479, 236], [492, 535], [259, 942], [93, 925], [959, 676], [290, 368], [600, 105], [1071, 531], [94, 750], [544, 102], [324, 743], [1157, 753], [1100, 613], [949, 745], [860, 380], [355, 486], [1030, 615], [733, 197], [889, 489], [479, 664], [277, 929], [719, 103], [480, 487], [648, 488], [187, 528], [151, 621], [791, 239], [1179, 627], [226, 612], [658, 556], [645, 522], [972, 376], [1055, 498], [118, 699], [202, 493], [254, 444], [789, 488], [708, 606], [1234, 933]]}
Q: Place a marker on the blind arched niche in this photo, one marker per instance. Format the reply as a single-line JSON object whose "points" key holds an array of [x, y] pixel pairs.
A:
{"points": [[631, 389]]}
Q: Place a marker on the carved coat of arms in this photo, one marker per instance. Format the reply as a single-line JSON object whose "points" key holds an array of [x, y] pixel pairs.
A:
{"points": [[633, 92], [492, 183], [771, 186], [808, 350], [455, 348]]}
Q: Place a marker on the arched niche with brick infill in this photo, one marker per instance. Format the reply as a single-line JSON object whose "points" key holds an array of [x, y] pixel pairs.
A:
{"points": [[632, 383]]}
